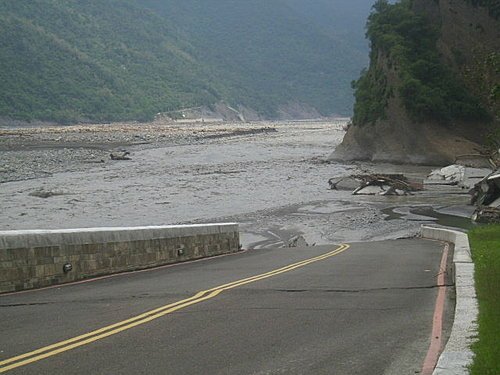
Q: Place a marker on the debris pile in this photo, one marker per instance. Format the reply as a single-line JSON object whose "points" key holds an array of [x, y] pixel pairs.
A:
{"points": [[450, 175], [456, 174], [486, 196], [483, 185], [375, 184], [486, 215]]}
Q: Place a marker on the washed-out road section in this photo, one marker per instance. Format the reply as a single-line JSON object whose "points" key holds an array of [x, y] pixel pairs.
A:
{"points": [[274, 183], [363, 309]]}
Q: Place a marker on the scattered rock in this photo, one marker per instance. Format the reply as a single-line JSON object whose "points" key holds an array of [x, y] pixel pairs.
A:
{"points": [[26, 152], [42, 193], [343, 183], [297, 241], [121, 155]]}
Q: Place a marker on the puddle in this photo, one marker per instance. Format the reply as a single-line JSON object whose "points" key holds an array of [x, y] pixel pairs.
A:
{"points": [[426, 214]]}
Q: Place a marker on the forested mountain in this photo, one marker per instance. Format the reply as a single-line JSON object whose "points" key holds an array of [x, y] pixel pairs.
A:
{"points": [[432, 90], [339, 18], [105, 60]]}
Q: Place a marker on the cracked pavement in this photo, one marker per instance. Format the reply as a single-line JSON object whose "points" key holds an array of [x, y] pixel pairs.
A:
{"points": [[368, 310]]}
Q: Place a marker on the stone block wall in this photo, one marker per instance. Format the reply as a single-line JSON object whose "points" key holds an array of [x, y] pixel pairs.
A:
{"points": [[35, 258]]}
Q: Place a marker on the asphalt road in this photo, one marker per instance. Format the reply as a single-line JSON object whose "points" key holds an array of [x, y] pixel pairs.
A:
{"points": [[363, 309]]}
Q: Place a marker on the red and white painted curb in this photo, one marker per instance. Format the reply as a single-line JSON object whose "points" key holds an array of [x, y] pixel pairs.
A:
{"points": [[457, 355]]}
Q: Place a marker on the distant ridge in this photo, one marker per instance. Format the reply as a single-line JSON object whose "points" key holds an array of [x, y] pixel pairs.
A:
{"points": [[100, 61]]}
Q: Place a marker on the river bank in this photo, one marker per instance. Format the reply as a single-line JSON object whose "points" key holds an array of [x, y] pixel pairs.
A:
{"points": [[272, 177]]}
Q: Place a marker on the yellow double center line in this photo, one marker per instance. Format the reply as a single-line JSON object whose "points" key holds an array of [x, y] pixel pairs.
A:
{"points": [[113, 329]]}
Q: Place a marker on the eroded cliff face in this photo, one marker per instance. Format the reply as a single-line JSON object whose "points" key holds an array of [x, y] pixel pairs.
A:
{"points": [[469, 43]]}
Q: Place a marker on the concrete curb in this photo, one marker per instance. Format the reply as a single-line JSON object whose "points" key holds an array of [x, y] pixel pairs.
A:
{"points": [[457, 355]]}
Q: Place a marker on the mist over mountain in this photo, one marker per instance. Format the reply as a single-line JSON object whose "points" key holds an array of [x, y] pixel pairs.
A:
{"points": [[97, 60]]}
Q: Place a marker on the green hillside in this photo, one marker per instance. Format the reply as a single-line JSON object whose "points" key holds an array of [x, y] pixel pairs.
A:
{"points": [[96, 60], [340, 19], [430, 90]]}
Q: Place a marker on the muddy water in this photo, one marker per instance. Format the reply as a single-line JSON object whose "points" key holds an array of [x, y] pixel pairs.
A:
{"points": [[428, 214], [274, 184]]}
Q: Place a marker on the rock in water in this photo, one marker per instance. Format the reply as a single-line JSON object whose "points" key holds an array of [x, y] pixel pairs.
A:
{"points": [[123, 155]]}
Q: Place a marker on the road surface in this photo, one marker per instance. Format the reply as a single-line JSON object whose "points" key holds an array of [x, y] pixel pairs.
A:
{"points": [[362, 308]]}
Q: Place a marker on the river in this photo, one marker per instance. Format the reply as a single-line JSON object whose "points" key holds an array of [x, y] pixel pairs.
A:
{"points": [[274, 183]]}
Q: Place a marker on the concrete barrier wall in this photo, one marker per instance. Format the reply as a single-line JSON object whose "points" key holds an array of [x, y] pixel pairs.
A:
{"points": [[457, 355], [35, 258]]}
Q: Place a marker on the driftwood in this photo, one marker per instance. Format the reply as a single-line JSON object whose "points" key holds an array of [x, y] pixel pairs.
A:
{"points": [[42, 193], [393, 183], [389, 184], [398, 181]]}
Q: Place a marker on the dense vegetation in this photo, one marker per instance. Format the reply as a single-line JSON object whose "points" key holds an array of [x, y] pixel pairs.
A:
{"points": [[485, 243], [92, 60], [492, 5], [429, 90], [97, 60]]}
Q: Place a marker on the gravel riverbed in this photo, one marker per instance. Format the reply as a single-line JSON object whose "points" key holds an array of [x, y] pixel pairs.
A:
{"points": [[271, 177]]}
